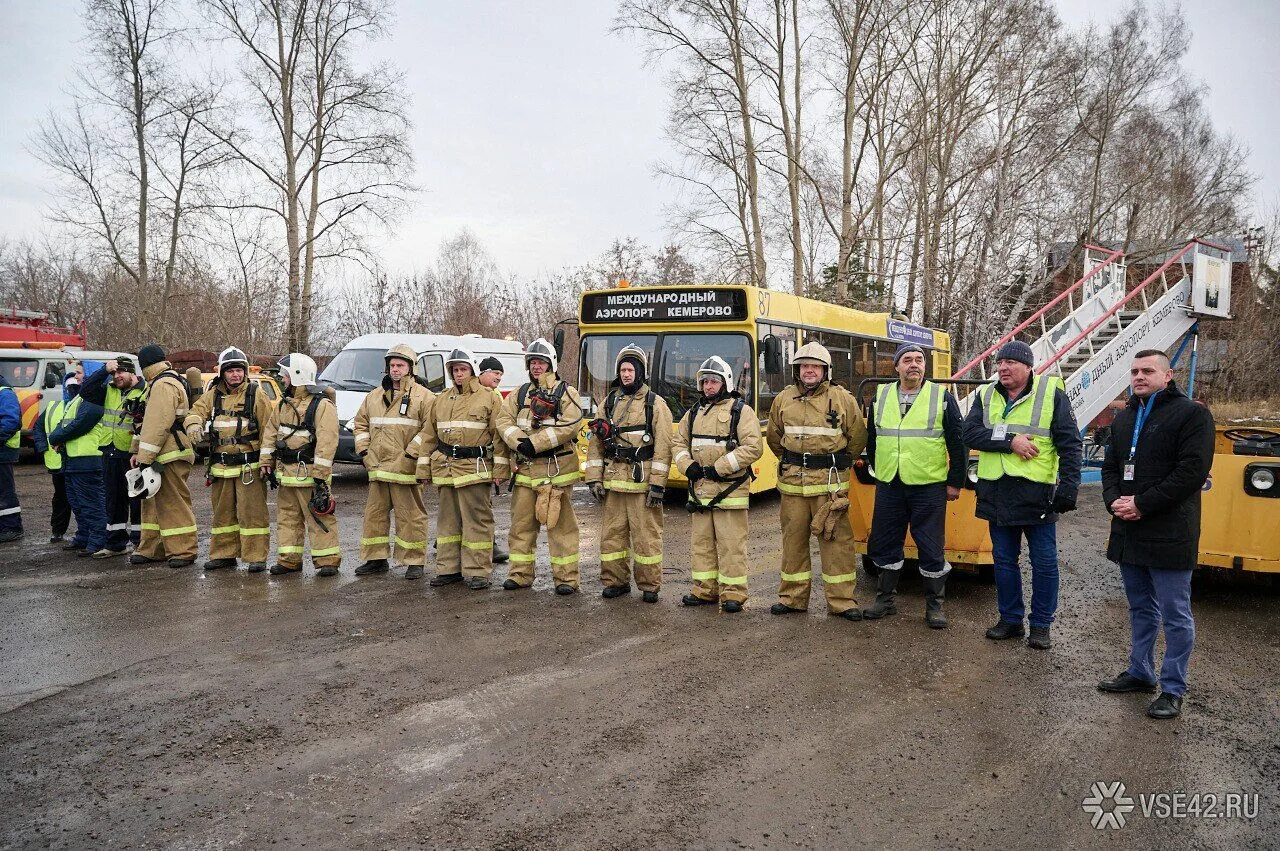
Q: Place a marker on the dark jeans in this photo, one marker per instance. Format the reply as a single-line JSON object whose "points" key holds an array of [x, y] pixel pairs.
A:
{"points": [[1155, 596], [84, 492], [923, 509], [10, 510], [124, 515], [60, 516], [1042, 547]]}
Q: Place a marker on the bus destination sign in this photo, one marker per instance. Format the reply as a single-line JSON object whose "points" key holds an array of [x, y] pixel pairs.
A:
{"points": [[656, 304], [908, 333]]}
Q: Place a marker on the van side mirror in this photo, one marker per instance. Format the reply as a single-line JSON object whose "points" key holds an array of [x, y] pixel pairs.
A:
{"points": [[772, 354], [557, 340]]}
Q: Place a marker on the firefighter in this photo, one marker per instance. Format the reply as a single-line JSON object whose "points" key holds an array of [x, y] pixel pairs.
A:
{"points": [[388, 421], [540, 422], [919, 458], [465, 459], [628, 459], [10, 438], [122, 397], [299, 440], [816, 430], [231, 414], [168, 523], [491, 371], [717, 442]]}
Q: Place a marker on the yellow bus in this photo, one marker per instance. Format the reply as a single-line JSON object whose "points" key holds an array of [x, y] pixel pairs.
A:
{"points": [[755, 330]]}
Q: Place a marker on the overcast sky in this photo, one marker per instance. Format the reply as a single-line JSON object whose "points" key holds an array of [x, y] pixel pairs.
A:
{"points": [[538, 129]]}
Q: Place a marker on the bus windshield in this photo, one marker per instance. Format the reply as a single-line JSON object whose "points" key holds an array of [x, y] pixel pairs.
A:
{"points": [[682, 354], [679, 356]]}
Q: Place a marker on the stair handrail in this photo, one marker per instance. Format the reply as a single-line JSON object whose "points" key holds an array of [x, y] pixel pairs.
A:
{"points": [[1112, 256], [1097, 323]]}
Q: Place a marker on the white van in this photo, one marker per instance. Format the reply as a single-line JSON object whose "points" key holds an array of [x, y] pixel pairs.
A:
{"points": [[35, 373], [360, 366]]}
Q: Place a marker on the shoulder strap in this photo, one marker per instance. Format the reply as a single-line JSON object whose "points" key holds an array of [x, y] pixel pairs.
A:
{"points": [[610, 402], [309, 418], [522, 396], [735, 417]]}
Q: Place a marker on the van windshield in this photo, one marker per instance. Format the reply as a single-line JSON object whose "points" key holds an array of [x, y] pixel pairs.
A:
{"points": [[355, 369], [19, 372]]}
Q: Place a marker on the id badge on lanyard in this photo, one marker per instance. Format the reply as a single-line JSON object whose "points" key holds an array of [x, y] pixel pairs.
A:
{"points": [[1140, 419], [1000, 431]]}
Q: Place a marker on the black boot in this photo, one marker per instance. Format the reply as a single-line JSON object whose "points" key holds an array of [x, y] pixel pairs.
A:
{"points": [[512, 585], [500, 554], [1165, 706], [414, 571], [649, 596], [730, 607], [219, 563], [327, 571], [612, 591], [1004, 630], [565, 590], [477, 583], [283, 569], [444, 579], [1039, 638], [373, 565], [256, 566], [850, 614], [695, 600], [886, 588], [783, 609], [935, 591], [1126, 682]]}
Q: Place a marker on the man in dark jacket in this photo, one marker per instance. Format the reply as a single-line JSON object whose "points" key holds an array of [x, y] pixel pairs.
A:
{"points": [[60, 516], [1028, 473], [77, 439], [10, 437], [1156, 462]]}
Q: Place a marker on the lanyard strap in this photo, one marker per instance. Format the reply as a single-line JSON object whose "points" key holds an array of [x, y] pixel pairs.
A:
{"points": [[1144, 410]]}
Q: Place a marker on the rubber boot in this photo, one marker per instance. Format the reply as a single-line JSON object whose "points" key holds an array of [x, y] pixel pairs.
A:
{"points": [[935, 591], [886, 589], [500, 554]]}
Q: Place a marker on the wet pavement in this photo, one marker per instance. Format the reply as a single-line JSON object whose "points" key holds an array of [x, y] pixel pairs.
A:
{"points": [[153, 707]]}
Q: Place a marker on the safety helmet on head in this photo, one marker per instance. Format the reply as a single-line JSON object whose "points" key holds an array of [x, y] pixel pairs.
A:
{"points": [[540, 348], [300, 368], [719, 367], [639, 360], [142, 482], [232, 357], [811, 352], [403, 352], [461, 356]]}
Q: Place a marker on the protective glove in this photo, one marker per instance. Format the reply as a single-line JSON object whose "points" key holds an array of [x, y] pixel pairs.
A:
{"points": [[597, 490], [656, 496], [1061, 505], [695, 472], [525, 447]]}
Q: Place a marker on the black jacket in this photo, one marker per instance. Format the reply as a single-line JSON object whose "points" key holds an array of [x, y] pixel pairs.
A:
{"points": [[1175, 452], [957, 455], [1014, 501]]}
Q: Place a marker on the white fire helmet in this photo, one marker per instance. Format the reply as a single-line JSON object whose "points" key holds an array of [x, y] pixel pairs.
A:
{"points": [[540, 348], [231, 356], [717, 366], [300, 369], [461, 356], [143, 482]]}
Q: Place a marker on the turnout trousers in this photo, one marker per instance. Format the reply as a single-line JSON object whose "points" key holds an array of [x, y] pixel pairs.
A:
{"points": [[124, 515], [241, 521], [839, 576], [719, 555], [295, 526], [632, 533], [562, 538], [464, 530], [168, 523], [405, 502]]}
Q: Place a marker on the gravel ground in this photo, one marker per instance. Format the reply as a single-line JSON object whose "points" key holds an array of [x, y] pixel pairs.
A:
{"points": [[151, 707]]}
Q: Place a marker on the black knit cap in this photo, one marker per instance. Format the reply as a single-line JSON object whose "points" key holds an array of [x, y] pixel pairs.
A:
{"points": [[491, 363], [150, 355]]}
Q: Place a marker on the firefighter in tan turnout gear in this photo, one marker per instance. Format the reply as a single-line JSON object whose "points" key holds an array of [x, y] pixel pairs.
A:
{"points": [[231, 414], [628, 459], [816, 430], [162, 458], [298, 444], [466, 458], [541, 422], [715, 445], [385, 429]]}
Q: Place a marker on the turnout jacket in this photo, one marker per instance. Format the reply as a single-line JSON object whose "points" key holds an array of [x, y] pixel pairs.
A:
{"points": [[710, 423], [384, 428], [235, 430], [166, 400], [820, 421], [628, 421], [1172, 461], [465, 417], [556, 435], [286, 425]]}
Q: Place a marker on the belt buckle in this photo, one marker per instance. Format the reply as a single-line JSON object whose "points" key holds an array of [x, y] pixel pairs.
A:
{"points": [[804, 460]]}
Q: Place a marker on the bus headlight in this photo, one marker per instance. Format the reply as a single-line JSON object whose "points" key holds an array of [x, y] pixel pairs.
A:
{"points": [[1260, 480]]}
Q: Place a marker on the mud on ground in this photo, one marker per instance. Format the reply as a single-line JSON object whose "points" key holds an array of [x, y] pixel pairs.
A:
{"points": [[151, 707]]}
